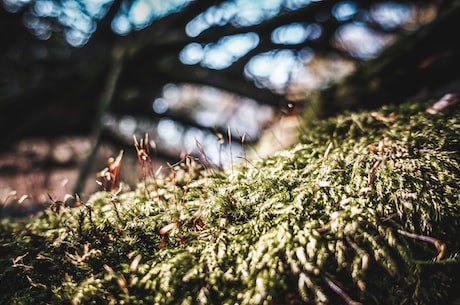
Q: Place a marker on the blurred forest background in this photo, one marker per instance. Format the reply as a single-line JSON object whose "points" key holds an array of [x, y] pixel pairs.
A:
{"points": [[79, 79]]}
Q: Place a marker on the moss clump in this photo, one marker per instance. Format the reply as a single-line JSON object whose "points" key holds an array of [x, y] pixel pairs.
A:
{"points": [[365, 209]]}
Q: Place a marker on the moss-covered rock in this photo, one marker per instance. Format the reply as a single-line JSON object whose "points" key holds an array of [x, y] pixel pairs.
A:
{"points": [[365, 209]]}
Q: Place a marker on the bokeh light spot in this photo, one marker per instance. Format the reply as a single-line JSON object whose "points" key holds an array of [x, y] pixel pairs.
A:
{"points": [[160, 105], [191, 54], [344, 11]]}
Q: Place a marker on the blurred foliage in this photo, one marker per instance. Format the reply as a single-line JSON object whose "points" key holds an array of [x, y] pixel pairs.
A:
{"points": [[69, 67], [365, 209]]}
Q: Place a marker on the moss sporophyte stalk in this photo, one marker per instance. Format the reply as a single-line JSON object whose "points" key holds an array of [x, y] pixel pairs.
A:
{"points": [[364, 209]]}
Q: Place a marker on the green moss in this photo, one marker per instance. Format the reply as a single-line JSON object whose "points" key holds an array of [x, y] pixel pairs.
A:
{"points": [[366, 207]]}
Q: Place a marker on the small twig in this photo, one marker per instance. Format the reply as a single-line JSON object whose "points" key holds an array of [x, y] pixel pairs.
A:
{"points": [[365, 257], [200, 147], [371, 174], [440, 246], [229, 133], [348, 300], [243, 138], [35, 284], [19, 258], [90, 211], [135, 263], [444, 102]]}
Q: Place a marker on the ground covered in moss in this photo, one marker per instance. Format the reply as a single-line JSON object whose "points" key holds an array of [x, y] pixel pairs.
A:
{"points": [[365, 209]]}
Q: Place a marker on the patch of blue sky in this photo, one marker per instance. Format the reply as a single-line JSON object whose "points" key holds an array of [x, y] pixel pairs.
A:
{"points": [[121, 25], [222, 54], [74, 18], [344, 10], [295, 33], [391, 14], [76, 38], [170, 131], [97, 8], [361, 41], [14, 6], [192, 54], [213, 16], [46, 8], [143, 12], [254, 12], [273, 69], [79, 25], [240, 13], [296, 4]]}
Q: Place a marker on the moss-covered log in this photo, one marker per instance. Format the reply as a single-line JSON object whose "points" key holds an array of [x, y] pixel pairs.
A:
{"points": [[365, 210]]}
